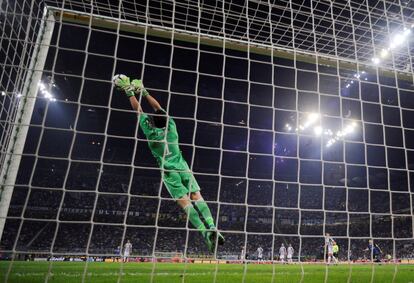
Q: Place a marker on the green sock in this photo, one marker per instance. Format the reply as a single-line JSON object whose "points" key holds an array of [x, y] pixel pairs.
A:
{"points": [[194, 218], [205, 211]]}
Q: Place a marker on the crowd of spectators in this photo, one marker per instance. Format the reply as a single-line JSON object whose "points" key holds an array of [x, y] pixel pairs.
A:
{"points": [[97, 219], [75, 239]]}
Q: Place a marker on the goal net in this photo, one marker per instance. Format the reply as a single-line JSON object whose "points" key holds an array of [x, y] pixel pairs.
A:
{"points": [[295, 117]]}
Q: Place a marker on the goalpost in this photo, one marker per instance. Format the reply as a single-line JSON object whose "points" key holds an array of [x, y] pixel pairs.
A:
{"points": [[20, 109], [292, 132]]}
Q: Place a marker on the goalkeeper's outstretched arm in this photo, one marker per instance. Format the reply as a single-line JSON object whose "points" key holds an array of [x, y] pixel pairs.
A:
{"points": [[138, 88], [135, 104], [151, 100]]}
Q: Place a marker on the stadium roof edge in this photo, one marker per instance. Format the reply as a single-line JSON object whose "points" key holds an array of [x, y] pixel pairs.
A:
{"points": [[82, 18]]}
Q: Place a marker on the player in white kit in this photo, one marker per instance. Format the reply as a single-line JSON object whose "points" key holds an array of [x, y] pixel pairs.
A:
{"points": [[127, 250], [329, 243], [290, 252], [243, 254], [282, 253], [259, 254]]}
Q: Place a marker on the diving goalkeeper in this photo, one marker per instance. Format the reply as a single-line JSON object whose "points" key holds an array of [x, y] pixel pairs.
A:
{"points": [[162, 136]]}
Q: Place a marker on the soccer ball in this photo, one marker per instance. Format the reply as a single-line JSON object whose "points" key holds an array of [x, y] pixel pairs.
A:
{"points": [[119, 79]]}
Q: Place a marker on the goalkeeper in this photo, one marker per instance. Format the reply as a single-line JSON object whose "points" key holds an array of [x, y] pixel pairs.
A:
{"points": [[162, 136]]}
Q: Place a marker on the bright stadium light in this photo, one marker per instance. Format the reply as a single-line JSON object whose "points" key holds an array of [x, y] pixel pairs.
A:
{"points": [[47, 95], [42, 86], [3, 93], [384, 53], [313, 116], [318, 130], [375, 60], [311, 119], [288, 127], [350, 128], [398, 39], [45, 92], [328, 132]]}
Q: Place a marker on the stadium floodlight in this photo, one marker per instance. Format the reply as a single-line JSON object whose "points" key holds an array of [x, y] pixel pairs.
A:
{"points": [[384, 53], [47, 95], [42, 86], [313, 116], [399, 38], [3, 93], [318, 130], [375, 60], [328, 132], [310, 120], [45, 92], [350, 128]]}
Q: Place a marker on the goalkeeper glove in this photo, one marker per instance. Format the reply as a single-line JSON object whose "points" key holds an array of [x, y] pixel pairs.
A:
{"points": [[122, 82], [138, 86]]}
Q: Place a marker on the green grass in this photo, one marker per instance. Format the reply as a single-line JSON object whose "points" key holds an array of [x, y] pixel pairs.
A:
{"points": [[99, 272]]}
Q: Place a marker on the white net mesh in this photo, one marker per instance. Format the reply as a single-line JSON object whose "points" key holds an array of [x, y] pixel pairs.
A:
{"points": [[289, 124]]}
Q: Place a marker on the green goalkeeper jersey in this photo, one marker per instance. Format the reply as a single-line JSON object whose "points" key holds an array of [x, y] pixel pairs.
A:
{"points": [[168, 157]]}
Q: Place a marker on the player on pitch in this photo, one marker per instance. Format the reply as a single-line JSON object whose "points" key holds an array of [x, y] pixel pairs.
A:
{"points": [[162, 136]]}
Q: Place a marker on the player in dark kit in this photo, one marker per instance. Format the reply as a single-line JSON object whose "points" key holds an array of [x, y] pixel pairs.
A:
{"points": [[162, 136], [375, 251]]}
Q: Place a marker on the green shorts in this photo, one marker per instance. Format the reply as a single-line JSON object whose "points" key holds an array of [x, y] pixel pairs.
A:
{"points": [[180, 183]]}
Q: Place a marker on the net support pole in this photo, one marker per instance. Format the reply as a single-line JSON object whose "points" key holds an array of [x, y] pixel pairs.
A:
{"points": [[28, 97]]}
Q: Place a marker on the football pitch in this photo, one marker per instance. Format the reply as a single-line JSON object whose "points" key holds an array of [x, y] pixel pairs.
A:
{"points": [[100, 272]]}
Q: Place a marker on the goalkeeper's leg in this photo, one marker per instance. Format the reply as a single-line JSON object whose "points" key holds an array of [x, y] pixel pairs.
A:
{"points": [[205, 211], [193, 215], [195, 220], [191, 183], [179, 192]]}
